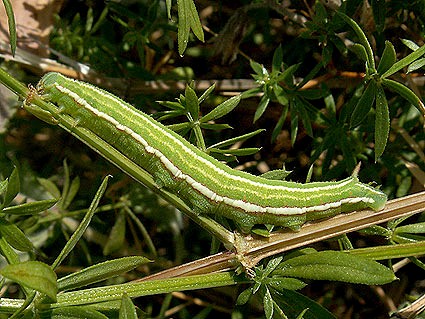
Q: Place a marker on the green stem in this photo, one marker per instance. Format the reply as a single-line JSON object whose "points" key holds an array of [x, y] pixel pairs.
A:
{"points": [[389, 252], [145, 288]]}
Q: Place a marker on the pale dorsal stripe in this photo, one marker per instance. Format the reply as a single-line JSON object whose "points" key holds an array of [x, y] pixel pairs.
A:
{"points": [[204, 190]]}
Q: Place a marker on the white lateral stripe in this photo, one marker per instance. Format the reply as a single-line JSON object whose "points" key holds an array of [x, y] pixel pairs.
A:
{"points": [[190, 153], [175, 171]]}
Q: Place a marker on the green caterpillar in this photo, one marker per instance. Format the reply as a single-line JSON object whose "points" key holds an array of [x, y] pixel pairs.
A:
{"points": [[205, 184]]}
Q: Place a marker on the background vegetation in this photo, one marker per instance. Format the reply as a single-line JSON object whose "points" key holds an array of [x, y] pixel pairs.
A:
{"points": [[321, 91]]}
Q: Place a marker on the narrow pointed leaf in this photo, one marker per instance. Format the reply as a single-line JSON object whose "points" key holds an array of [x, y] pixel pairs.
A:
{"points": [[13, 186], [3, 186], [192, 104], [362, 37], [382, 122], [417, 228], [14, 236], [99, 272], [116, 236], [78, 312], [30, 208], [172, 105], [12, 25], [244, 296], [264, 102], [268, 305], [188, 19], [33, 274], [388, 58], [278, 128], [277, 59], [237, 152], [360, 51], [127, 309], [83, 225], [236, 139], [295, 304], [364, 105], [416, 65], [410, 44], [405, 92], [50, 187], [287, 283], [183, 26], [334, 265], [222, 109], [72, 191], [404, 62], [206, 94], [294, 128], [257, 67]]}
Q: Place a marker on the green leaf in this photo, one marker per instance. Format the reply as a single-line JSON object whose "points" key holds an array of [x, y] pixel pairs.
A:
{"points": [[14, 236], [172, 105], [278, 128], [294, 127], [12, 26], [206, 94], [192, 104], [222, 109], [280, 94], [127, 309], [244, 296], [359, 50], [277, 174], [334, 265], [268, 304], [404, 62], [258, 68], [264, 102], [70, 244], [410, 44], [237, 152], [362, 37], [99, 272], [295, 304], [364, 105], [168, 4], [215, 126], [33, 274], [382, 122], [188, 19], [116, 237], [287, 283], [76, 312], [233, 140], [416, 65], [301, 107], [388, 58], [50, 187], [405, 92], [72, 191], [13, 186], [3, 186], [418, 228], [30, 208], [277, 59]]}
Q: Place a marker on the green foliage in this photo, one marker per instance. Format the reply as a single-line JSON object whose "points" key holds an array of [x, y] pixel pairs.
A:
{"points": [[189, 106], [188, 19]]}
